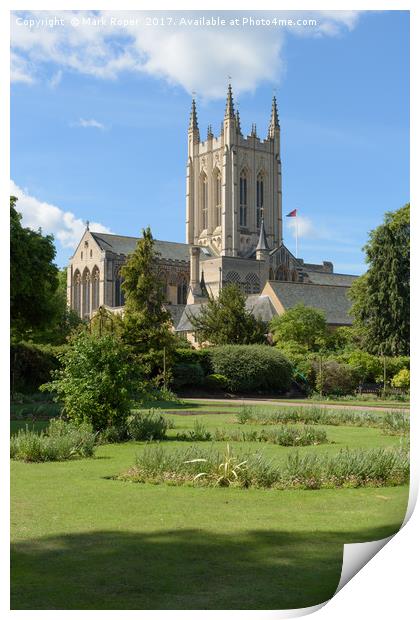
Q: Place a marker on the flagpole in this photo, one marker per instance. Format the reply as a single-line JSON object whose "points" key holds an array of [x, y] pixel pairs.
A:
{"points": [[296, 230]]}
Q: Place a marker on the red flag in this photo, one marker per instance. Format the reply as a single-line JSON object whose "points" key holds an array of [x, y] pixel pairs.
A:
{"points": [[292, 213]]}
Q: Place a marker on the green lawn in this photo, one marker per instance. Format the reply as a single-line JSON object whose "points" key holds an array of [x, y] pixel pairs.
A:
{"points": [[83, 541]]}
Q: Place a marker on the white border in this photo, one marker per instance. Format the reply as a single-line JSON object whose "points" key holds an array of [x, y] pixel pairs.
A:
{"points": [[387, 586]]}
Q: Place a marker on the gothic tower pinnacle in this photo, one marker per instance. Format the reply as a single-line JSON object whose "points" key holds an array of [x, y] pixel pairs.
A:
{"points": [[230, 110], [274, 120]]}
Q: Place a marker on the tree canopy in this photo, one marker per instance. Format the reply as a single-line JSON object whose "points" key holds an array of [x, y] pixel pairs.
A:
{"points": [[302, 325], [381, 297], [225, 320], [33, 276], [146, 323]]}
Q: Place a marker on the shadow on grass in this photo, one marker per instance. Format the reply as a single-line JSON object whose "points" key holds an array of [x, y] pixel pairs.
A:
{"points": [[181, 569]]}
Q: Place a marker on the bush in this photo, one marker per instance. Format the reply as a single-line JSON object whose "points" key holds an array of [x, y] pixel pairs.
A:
{"points": [[302, 361], [366, 367], [96, 381], [147, 425], [401, 379], [252, 367], [31, 365], [335, 378], [59, 442], [187, 374], [216, 383], [194, 356]]}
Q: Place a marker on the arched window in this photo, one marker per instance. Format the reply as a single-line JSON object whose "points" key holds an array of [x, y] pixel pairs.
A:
{"points": [[243, 199], [218, 195], [86, 293], [95, 288], [204, 199], [260, 198], [252, 284], [77, 291], [119, 293], [182, 292]]}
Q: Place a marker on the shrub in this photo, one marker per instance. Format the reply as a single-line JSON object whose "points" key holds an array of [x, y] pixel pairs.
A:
{"points": [[147, 425], [187, 374], [215, 383], [335, 378], [252, 367], [194, 356], [365, 366], [96, 381], [198, 433], [348, 468], [59, 442], [401, 379]]}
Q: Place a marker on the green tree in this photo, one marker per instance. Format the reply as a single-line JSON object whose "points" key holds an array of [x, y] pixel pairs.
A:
{"points": [[33, 276], [381, 297], [225, 320], [63, 319], [301, 324], [146, 323], [96, 381]]}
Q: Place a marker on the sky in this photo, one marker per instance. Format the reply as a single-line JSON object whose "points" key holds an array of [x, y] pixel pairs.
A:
{"points": [[100, 108]]}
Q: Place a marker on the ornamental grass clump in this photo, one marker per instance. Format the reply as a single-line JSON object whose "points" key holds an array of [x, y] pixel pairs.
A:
{"points": [[147, 425], [396, 423], [61, 441], [348, 468], [321, 415]]}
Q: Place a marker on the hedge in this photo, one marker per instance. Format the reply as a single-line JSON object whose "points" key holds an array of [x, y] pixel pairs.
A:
{"points": [[194, 356], [187, 374], [252, 367]]}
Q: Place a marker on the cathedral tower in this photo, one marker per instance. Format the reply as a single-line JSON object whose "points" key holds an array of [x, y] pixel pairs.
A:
{"points": [[232, 181]]}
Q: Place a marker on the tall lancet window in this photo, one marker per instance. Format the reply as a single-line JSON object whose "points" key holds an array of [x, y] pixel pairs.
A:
{"points": [[204, 202], [218, 195], [243, 199], [260, 198], [95, 289]]}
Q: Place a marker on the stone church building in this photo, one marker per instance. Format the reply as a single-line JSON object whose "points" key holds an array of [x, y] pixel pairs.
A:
{"points": [[234, 233]]}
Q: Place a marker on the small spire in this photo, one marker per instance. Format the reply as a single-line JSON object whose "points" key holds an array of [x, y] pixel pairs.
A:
{"points": [[87, 224], [193, 117], [203, 284], [209, 132], [274, 120], [254, 130], [238, 122], [230, 110], [262, 241]]}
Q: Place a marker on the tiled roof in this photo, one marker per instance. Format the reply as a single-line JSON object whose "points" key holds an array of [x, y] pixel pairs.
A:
{"points": [[335, 279], [333, 300], [119, 244]]}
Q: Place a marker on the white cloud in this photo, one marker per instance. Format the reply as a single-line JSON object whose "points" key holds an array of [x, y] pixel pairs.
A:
{"points": [[64, 225], [197, 58], [56, 79], [82, 122], [306, 228]]}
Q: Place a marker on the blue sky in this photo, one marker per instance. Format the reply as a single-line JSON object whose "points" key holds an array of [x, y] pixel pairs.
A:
{"points": [[99, 120]]}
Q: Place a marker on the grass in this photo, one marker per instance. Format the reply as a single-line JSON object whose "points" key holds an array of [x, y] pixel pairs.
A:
{"points": [[83, 541]]}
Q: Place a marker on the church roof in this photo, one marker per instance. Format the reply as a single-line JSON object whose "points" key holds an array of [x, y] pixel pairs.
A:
{"points": [[333, 300], [335, 279], [119, 244]]}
